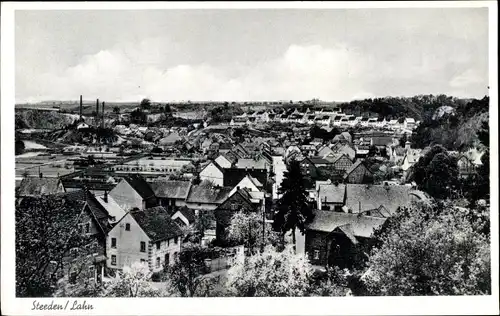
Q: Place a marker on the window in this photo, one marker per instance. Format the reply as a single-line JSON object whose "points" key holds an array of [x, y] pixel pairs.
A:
{"points": [[176, 240], [143, 260], [87, 228], [127, 226], [158, 260], [234, 206], [316, 254], [168, 243], [113, 260], [143, 246], [167, 259], [158, 244], [113, 242]]}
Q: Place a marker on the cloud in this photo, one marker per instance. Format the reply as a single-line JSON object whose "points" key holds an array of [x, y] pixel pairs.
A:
{"points": [[132, 72]]}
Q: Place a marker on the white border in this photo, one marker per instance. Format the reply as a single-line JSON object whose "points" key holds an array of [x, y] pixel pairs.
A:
{"points": [[473, 305]]}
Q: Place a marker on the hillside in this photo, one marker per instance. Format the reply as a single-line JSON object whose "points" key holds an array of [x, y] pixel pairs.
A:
{"points": [[41, 119]]}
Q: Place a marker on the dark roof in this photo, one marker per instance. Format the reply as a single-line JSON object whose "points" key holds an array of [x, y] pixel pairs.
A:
{"points": [[371, 197], [232, 176], [319, 161], [34, 186], [156, 223], [207, 193], [171, 189], [359, 226], [140, 186], [352, 118], [188, 214], [354, 166]]}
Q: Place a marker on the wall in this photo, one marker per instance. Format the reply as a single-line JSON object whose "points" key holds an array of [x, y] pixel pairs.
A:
{"points": [[316, 241], [213, 174], [245, 183], [357, 175], [128, 243], [223, 162], [166, 247], [126, 196]]}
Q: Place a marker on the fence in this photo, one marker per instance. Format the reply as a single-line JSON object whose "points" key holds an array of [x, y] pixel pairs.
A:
{"points": [[224, 259]]}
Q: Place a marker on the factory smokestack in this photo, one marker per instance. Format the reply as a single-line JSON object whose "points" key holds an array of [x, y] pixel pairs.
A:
{"points": [[97, 112], [81, 106], [103, 103]]}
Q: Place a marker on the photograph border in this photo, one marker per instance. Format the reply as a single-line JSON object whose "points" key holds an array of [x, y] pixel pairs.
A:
{"points": [[474, 305]]}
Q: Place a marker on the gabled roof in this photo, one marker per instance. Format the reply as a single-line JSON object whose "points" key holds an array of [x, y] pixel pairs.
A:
{"points": [[232, 176], [140, 185], [354, 167], [171, 189], [35, 186], [188, 214], [359, 226], [88, 200], [156, 223], [207, 193]]}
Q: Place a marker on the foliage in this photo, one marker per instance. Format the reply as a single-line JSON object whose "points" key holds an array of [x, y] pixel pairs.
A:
{"points": [[133, 281], [145, 104], [46, 230], [138, 116], [19, 149], [116, 109], [332, 282], [270, 273], [293, 211], [204, 220], [184, 276], [318, 132], [224, 113], [246, 228], [431, 250], [436, 173]]}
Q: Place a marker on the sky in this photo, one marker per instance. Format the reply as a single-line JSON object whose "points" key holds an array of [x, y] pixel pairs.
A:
{"points": [[250, 54]]}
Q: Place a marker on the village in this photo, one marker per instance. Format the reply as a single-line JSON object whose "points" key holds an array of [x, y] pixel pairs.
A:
{"points": [[145, 191]]}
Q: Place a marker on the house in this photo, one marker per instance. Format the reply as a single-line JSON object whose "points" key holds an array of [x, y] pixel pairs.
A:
{"points": [[375, 200], [325, 151], [358, 173], [339, 162], [240, 201], [238, 121], [250, 183], [331, 197], [465, 166], [82, 125], [115, 211], [171, 194], [233, 176], [170, 139], [147, 236], [205, 196], [133, 192], [336, 239], [342, 148], [38, 186], [409, 123], [410, 158], [184, 216], [212, 172]]}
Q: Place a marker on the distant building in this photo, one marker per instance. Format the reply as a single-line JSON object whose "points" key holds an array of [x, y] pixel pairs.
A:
{"points": [[133, 192]]}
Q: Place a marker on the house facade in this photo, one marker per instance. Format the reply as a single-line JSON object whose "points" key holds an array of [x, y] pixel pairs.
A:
{"points": [[213, 173], [133, 192], [358, 173]]}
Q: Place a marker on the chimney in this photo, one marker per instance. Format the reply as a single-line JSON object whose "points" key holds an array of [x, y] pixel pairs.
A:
{"points": [[96, 111], [103, 103], [105, 196], [81, 106], [407, 145]]}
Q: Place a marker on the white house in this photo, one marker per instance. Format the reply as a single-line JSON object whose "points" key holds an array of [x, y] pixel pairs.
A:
{"points": [[248, 182], [213, 172], [149, 236], [223, 161], [409, 123]]}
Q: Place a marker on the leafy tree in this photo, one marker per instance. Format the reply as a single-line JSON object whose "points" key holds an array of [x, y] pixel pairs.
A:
{"points": [[247, 227], [437, 173], [270, 273], [145, 104], [185, 275], [133, 281], [138, 117], [483, 134], [116, 109], [293, 211], [46, 230], [451, 257], [19, 149]]}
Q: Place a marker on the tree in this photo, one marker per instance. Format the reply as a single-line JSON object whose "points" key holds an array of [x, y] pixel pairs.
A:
{"points": [[248, 228], [451, 257], [20, 147], [270, 273], [293, 210], [184, 276], [133, 281], [138, 116], [46, 230], [483, 134], [436, 173], [116, 110], [145, 104]]}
